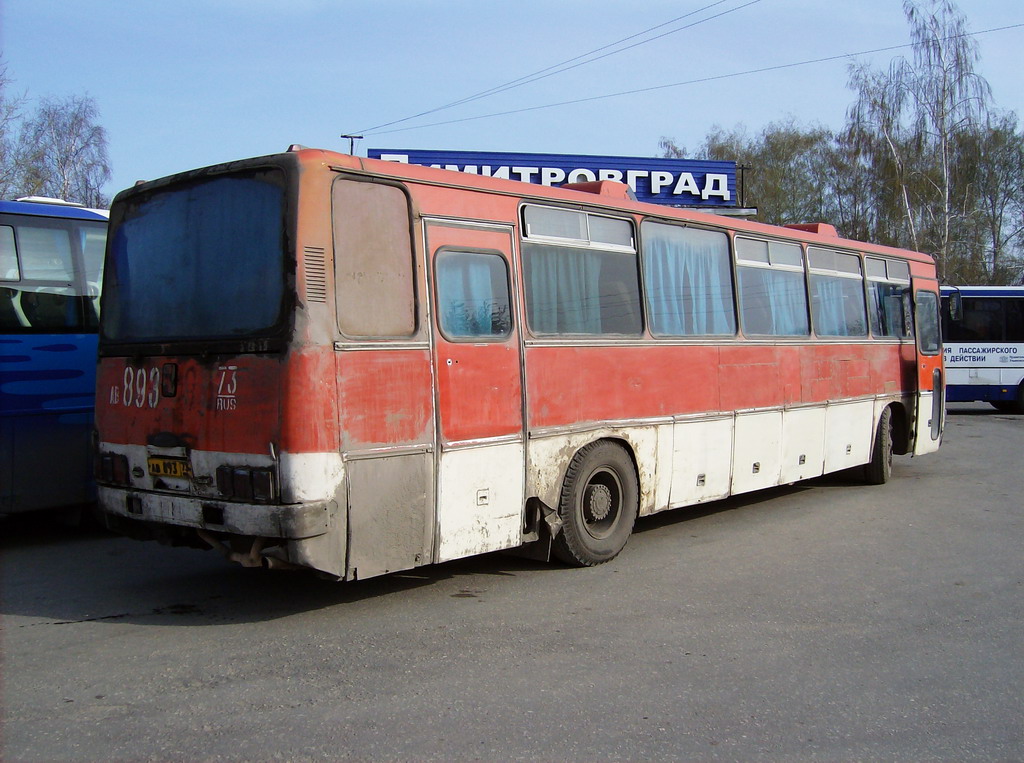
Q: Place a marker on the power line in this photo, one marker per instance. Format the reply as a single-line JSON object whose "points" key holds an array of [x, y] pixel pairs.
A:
{"points": [[692, 81], [564, 66]]}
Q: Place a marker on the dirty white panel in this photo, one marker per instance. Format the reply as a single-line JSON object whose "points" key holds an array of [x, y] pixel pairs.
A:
{"points": [[757, 451], [701, 461], [545, 466], [663, 472], [310, 476], [650, 444], [390, 513], [849, 428], [803, 444], [645, 442], [927, 406], [480, 500]]}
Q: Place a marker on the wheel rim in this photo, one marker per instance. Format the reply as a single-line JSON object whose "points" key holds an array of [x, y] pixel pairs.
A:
{"points": [[601, 503]]}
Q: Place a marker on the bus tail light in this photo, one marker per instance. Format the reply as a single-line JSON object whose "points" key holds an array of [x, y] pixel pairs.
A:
{"points": [[246, 484], [114, 468], [169, 380]]}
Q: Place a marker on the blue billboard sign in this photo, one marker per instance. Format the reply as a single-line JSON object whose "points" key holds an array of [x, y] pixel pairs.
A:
{"points": [[679, 182]]}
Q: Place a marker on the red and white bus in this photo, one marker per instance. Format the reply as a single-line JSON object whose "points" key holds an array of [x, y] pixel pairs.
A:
{"points": [[317, 360]]}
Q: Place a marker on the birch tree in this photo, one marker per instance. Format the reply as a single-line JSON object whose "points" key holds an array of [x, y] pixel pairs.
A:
{"points": [[916, 113], [62, 151]]}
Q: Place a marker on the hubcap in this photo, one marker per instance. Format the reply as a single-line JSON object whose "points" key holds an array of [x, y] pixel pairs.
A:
{"points": [[601, 503]]}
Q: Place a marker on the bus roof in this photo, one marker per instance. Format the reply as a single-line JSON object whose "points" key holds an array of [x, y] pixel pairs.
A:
{"points": [[985, 291], [597, 193], [812, 233], [54, 208]]}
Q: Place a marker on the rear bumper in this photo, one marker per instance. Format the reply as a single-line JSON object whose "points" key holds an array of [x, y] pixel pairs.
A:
{"points": [[293, 521]]}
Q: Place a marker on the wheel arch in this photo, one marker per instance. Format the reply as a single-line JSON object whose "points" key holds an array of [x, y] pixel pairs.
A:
{"points": [[548, 461], [900, 428]]}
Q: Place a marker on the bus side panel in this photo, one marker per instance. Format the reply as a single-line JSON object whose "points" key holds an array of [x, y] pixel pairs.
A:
{"points": [[748, 416], [385, 411], [573, 385], [46, 400]]}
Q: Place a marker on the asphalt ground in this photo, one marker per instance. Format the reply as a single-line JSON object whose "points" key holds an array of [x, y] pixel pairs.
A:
{"points": [[824, 621]]}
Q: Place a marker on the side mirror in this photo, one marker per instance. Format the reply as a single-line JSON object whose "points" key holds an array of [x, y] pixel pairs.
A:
{"points": [[956, 307]]}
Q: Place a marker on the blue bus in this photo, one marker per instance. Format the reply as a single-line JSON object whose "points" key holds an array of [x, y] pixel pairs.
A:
{"points": [[984, 345], [51, 262]]}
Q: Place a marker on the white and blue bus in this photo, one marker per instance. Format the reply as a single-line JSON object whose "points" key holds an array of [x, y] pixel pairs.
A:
{"points": [[51, 261], [984, 345]]}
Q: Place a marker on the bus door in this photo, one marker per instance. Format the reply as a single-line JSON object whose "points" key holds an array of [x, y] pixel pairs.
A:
{"points": [[931, 402], [478, 378]]}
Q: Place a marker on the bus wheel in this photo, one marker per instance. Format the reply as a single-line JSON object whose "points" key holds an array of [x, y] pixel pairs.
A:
{"points": [[879, 469], [598, 505]]}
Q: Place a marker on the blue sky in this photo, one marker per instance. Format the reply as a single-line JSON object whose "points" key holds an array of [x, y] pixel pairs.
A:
{"points": [[188, 83]]}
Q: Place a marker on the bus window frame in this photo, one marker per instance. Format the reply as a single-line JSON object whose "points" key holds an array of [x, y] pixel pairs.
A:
{"points": [[769, 265], [587, 245], [835, 272], [644, 286], [442, 253], [904, 283], [414, 262]]}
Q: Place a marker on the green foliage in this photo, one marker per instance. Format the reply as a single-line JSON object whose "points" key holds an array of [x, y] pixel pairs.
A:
{"points": [[923, 161]]}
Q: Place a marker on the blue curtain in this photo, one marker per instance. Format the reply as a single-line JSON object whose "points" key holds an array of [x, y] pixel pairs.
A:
{"points": [[773, 302], [466, 296], [838, 305], [562, 289], [827, 303], [689, 287]]}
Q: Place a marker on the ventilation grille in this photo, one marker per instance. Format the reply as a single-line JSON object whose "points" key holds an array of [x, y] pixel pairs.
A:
{"points": [[316, 274]]}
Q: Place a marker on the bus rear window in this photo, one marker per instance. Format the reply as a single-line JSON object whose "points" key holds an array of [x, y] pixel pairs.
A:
{"points": [[199, 261]]}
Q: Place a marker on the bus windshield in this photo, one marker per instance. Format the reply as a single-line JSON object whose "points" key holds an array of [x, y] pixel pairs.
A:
{"points": [[200, 260]]}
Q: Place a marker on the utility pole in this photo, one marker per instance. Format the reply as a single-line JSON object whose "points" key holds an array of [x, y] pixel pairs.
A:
{"points": [[352, 142]]}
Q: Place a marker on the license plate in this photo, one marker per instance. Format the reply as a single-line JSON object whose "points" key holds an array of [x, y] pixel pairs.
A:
{"points": [[177, 468]]}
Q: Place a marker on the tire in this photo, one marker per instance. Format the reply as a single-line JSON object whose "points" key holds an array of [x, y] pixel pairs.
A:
{"points": [[879, 469], [598, 505]]}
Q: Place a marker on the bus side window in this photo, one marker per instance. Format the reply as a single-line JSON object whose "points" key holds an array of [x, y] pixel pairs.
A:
{"points": [[9, 270], [580, 273], [888, 297], [1014, 320], [473, 299], [46, 254], [688, 281], [773, 292], [11, 316], [928, 322], [373, 260], [837, 293]]}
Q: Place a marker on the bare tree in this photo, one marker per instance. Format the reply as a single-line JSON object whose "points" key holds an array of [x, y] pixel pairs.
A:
{"points": [[787, 161], [62, 151], [10, 112], [916, 113], [989, 170]]}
